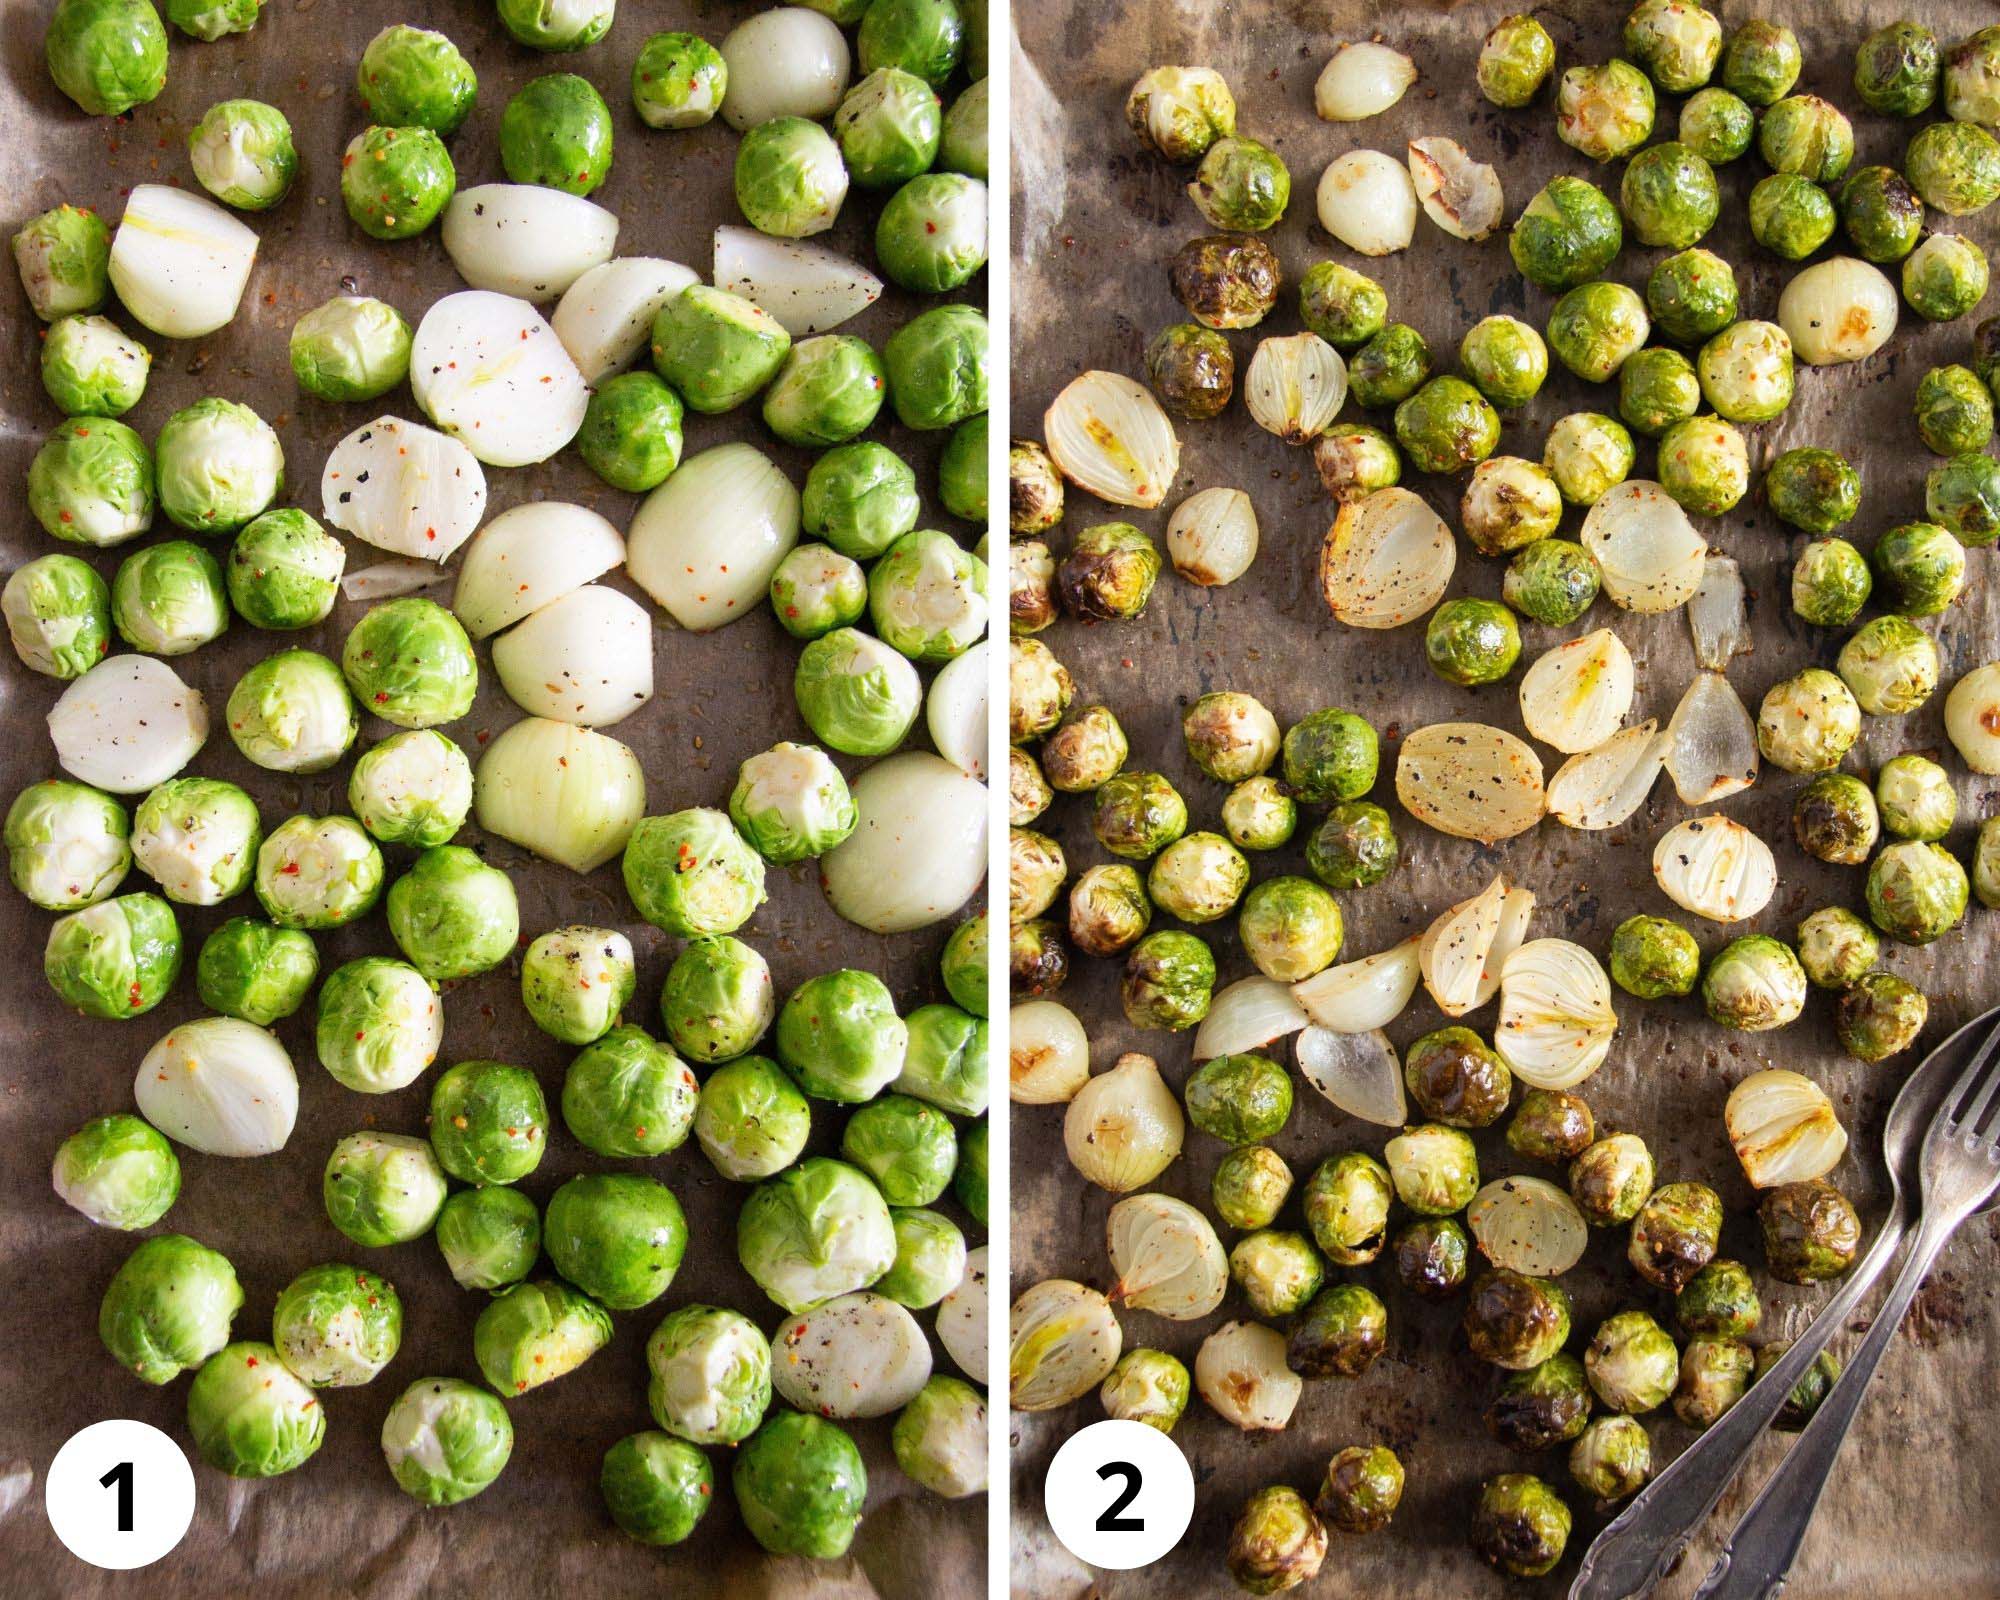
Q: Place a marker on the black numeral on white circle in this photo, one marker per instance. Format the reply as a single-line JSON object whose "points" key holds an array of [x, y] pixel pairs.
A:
{"points": [[1109, 1520], [121, 1476]]}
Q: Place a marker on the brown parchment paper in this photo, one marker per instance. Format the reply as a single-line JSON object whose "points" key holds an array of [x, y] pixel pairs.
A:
{"points": [[340, 1526], [1097, 217]]}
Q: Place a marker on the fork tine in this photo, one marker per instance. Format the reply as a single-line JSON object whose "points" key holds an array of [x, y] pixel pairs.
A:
{"points": [[1980, 1080]]}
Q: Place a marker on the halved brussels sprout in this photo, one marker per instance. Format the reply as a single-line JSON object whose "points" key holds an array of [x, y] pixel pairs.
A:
{"points": [[537, 1332]]}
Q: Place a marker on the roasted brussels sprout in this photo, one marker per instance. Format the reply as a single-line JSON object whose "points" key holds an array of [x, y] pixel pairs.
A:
{"points": [[1241, 185], [1550, 1125], [1137, 815], [1669, 195], [1290, 928], [1944, 277], [1089, 750], [1227, 280], [1181, 111], [1389, 368], [1147, 1386], [1520, 1524], [1542, 1406], [1240, 1099], [1363, 1487], [1790, 216], [1259, 815], [1836, 947], [1717, 126], [1277, 1270], [1036, 868], [1632, 1363], [1834, 818], [1882, 214], [1588, 453], [1879, 1016], [1830, 583], [1594, 327], [1604, 111], [1339, 1334], [1676, 41], [1470, 642], [1506, 358], [1347, 1207], [1692, 295], [1915, 796], [1552, 581], [1435, 1169], [1330, 755], [1654, 957], [1704, 465], [1808, 1392], [1808, 722], [1806, 135], [1432, 1256], [1456, 1078], [1814, 490], [1354, 846], [1108, 910], [1277, 1543], [1229, 735], [1986, 864], [1515, 60], [1612, 1179], [1657, 388], [1811, 1231], [1719, 1302], [1250, 1186], [1169, 981], [1761, 62], [1109, 572], [1193, 370], [1344, 307], [1515, 1321], [1955, 166], [1612, 1458], [1891, 666], [1746, 371], [1567, 234], [1896, 69], [1754, 984], [1676, 1231], [1954, 411], [1963, 496]]}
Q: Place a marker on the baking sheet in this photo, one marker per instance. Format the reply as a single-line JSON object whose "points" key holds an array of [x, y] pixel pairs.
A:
{"points": [[340, 1526], [1097, 218]]}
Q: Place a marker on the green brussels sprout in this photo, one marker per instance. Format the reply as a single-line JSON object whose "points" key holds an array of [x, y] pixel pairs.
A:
{"points": [[556, 131], [750, 1121], [1169, 980], [255, 971], [628, 1095], [717, 1001], [489, 1122], [1515, 1321], [1675, 1232], [710, 1375], [1612, 1179], [415, 78], [962, 470], [378, 1024], [1259, 815], [1921, 565], [800, 1484], [1882, 214], [1675, 41], [944, 1062], [1717, 126], [1657, 388], [906, 1146], [816, 589], [1896, 69], [1595, 326], [1746, 371], [840, 1038], [937, 367], [218, 465], [1240, 1099], [446, 1440], [1515, 60], [1719, 1302], [691, 873], [1954, 412], [1806, 135], [1986, 863], [1434, 1168], [656, 1488], [1330, 755], [969, 1182], [860, 498], [92, 368], [1790, 216], [1836, 947], [814, 1231], [1108, 574], [1916, 798], [1692, 295], [489, 1238], [284, 571], [1972, 78], [336, 1326], [889, 126], [930, 1258], [168, 1307], [556, 24], [1551, 1125], [1470, 642], [1879, 1016], [1347, 1207], [1808, 722], [250, 1415], [631, 433], [1147, 1386], [92, 482], [409, 662], [119, 1171], [64, 258], [1391, 367], [1654, 957], [1916, 891], [395, 181], [1137, 814], [1108, 910], [1604, 111], [1277, 1542], [106, 55], [1231, 280], [1587, 453], [1761, 62], [926, 595], [454, 916], [413, 788], [1178, 111], [1704, 465], [1198, 878], [1542, 1406], [1340, 1332], [114, 959], [827, 390], [1954, 166], [575, 981], [1810, 1229], [617, 1236], [1354, 847], [1277, 1270], [1568, 234], [1814, 490], [1446, 425], [168, 599], [678, 81], [350, 348], [962, 145], [1229, 735], [1810, 1390], [382, 1188], [1241, 186], [1631, 1363], [1345, 307], [1944, 277], [1250, 1186], [1963, 496], [1552, 581], [857, 694], [1193, 369], [791, 803], [1830, 583], [790, 180], [1890, 665], [1612, 1458], [242, 153], [1088, 751], [1754, 984], [1506, 359], [66, 844], [1290, 928], [1669, 195], [1037, 963], [963, 967], [1456, 1078], [1431, 1255], [1834, 819], [58, 613], [536, 1332], [716, 348]]}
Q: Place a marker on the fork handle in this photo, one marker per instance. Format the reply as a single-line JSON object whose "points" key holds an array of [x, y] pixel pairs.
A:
{"points": [[1758, 1554]]}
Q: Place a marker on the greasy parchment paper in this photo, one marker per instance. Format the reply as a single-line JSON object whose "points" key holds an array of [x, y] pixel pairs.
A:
{"points": [[340, 1526], [1097, 219]]}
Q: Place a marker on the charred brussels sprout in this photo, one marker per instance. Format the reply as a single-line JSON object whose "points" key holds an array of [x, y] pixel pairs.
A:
{"points": [[1290, 928], [1137, 815], [1109, 572], [1761, 62], [1704, 465], [1963, 496], [1719, 1302], [1612, 1179], [1330, 755], [1363, 1487], [1896, 69], [1790, 216], [1470, 642], [1354, 846], [1347, 1207], [1457, 1078], [1916, 798], [1028, 792], [1432, 1256], [1595, 326], [1891, 666], [1509, 503], [1036, 868], [1657, 388], [1944, 277], [1806, 135], [1836, 947], [1882, 214], [1339, 1334], [1541, 1407], [1446, 426], [1692, 296], [1551, 1125], [1259, 815], [1389, 368], [1031, 593], [1435, 1169], [1972, 78], [1631, 1363], [1954, 411], [1879, 1016], [1830, 583], [1604, 111], [1669, 196], [1086, 752], [1717, 126], [1808, 722], [1241, 185], [1515, 60], [1654, 957], [1240, 1099], [1108, 910], [1169, 981], [1811, 1231], [1675, 1233], [1506, 358], [1277, 1543], [1715, 1374], [1520, 1525], [1230, 736], [1181, 111], [1753, 985], [1342, 306], [1277, 1270], [1834, 819], [1250, 1186], [1552, 581], [1225, 280], [1808, 1392], [1034, 489], [1515, 1321], [1921, 566], [1955, 166], [1612, 1458], [1567, 235], [1193, 370], [1747, 371]]}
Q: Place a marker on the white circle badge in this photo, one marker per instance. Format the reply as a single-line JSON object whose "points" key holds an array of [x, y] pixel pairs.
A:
{"points": [[1119, 1495], [120, 1494]]}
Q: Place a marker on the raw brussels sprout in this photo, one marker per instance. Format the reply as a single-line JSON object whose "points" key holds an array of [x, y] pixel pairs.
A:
{"points": [[1278, 1271], [1657, 388], [64, 258], [1259, 815], [678, 81], [556, 131], [1277, 1542], [168, 1307], [382, 1188], [537, 1332], [791, 803], [1520, 1524], [816, 589], [1954, 166], [58, 613], [1612, 1458], [1037, 963], [395, 181], [556, 24], [1810, 1229], [963, 967], [1954, 411], [1834, 819], [962, 471], [1241, 185], [1290, 928], [1515, 1321], [1808, 722], [1754, 984], [937, 367], [1806, 135], [860, 498], [1470, 642], [1830, 583], [489, 1237], [1810, 1390], [489, 1122], [167, 599], [242, 153], [454, 916], [1890, 665], [1604, 111], [1515, 60], [1198, 878], [92, 482], [1896, 69], [284, 571], [1746, 371], [413, 788], [1882, 214], [1836, 947], [715, 348], [336, 1325], [575, 981], [197, 838], [1944, 277], [1108, 910], [1567, 234], [1506, 359], [906, 1146], [840, 1038], [1347, 1207], [1692, 295], [1169, 981], [969, 1182], [1108, 574], [1654, 957], [409, 662], [1551, 1125], [1790, 216], [717, 1001], [1330, 755], [857, 694], [1717, 126], [114, 959], [350, 348], [1137, 814], [800, 1484], [1588, 453], [1916, 891], [1675, 41], [618, 1236], [256, 972], [218, 465], [1761, 62], [1541, 1407], [1632, 1363], [710, 1375], [66, 844], [827, 390], [1719, 1302], [1611, 1180], [790, 180], [446, 1440], [1354, 846], [415, 78], [106, 55], [1552, 581], [1250, 1186], [1147, 1386], [1434, 1168], [814, 1231], [926, 595], [691, 873], [1225, 280], [631, 433], [627, 1095], [1088, 751], [1916, 798], [1675, 1232], [1963, 496], [930, 1258], [1456, 1078], [251, 1417], [750, 1121], [92, 368], [378, 1024], [1704, 465], [962, 145], [656, 1488], [1344, 307], [1340, 1333], [1193, 370], [119, 1171], [1390, 367], [1447, 425], [889, 126], [1879, 1016], [1240, 1099], [1669, 196]]}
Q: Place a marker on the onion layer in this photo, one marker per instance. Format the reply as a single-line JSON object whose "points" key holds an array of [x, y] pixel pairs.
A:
{"points": [[1715, 868], [1556, 1021], [1387, 560], [1110, 437], [1783, 1128], [1470, 781]]}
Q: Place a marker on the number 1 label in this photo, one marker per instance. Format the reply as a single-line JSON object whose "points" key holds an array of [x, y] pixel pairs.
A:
{"points": [[120, 1494]]}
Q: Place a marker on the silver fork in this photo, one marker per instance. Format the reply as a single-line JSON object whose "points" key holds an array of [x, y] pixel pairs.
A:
{"points": [[1960, 1170]]}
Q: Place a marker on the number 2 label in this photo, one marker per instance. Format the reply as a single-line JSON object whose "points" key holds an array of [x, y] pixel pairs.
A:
{"points": [[1119, 1495]]}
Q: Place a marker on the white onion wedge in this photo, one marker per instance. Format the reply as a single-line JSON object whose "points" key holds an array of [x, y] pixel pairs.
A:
{"points": [[1124, 1127], [858, 1355], [918, 851], [1556, 1021], [807, 287], [1711, 742], [1387, 560], [531, 556], [1063, 1339], [1601, 788], [1240, 1371], [1366, 201], [705, 543], [785, 62], [403, 488], [1295, 386], [1110, 437], [961, 1318], [955, 712], [1718, 615], [586, 658], [1048, 1054], [1357, 1072], [606, 317], [1212, 536], [1783, 1128], [1167, 1257], [179, 261], [1972, 718], [1452, 951], [565, 793], [1361, 80], [1361, 996], [526, 240], [1249, 1014], [1528, 1225], [1575, 696], [1649, 551], [128, 724], [1462, 196], [1715, 868], [221, 1086], [490, 372], [1470, 780], [385, 580]]}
